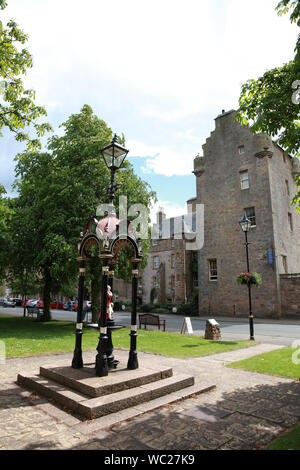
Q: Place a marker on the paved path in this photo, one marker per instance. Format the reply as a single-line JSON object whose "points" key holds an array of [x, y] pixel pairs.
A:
{"points": [[252, 409]]}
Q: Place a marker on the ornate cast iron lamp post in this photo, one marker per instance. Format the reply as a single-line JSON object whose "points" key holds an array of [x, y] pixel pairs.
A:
{"points": [[245, 225], [111, 235]]}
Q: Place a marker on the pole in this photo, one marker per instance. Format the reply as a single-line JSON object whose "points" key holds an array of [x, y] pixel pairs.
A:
{"points": [[249, 293], [101, 358], [25, 293], [133, 358], [77, 361]]}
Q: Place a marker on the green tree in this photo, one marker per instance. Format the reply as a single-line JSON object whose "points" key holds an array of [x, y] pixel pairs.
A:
{"points": [[18, 111], [6, 214], [59, 191], [266, 104]]}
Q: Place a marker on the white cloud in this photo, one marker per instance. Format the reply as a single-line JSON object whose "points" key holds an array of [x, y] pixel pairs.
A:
{"points": [[160, 70], [193, 54], [162, 160]]}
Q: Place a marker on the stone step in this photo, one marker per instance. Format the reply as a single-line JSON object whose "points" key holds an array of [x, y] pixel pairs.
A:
{"points": [[91, 408], [84, 380], [53, 390], [101, 406]]}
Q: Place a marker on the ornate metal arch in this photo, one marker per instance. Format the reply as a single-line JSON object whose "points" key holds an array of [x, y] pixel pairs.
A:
{"points": [[86, 242], [119, 242]]}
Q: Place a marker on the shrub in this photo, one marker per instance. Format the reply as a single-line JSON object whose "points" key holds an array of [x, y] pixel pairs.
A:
{"points": [[146, 308], [188, 309], [160, 310]]}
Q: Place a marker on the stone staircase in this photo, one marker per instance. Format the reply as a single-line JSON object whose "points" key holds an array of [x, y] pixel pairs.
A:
{"points": [[92, 397]]}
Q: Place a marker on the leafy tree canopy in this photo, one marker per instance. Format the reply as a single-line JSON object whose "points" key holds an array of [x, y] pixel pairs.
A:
{"points": [[59, 191], [271, 103], [18, 112]]}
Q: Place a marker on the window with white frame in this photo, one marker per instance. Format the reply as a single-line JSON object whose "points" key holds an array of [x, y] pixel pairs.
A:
{"points": [[154, 242], [156, 262], [173, 243], [250, 214], [244, 179], [213, 269]]}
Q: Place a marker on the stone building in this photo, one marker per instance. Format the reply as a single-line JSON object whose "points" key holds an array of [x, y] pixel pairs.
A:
{"points": [[241, 172], [170, 275]]}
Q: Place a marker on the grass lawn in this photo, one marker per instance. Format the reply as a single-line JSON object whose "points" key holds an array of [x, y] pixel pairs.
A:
{"points": [[25, 337], [290, 441], [277, 362]]}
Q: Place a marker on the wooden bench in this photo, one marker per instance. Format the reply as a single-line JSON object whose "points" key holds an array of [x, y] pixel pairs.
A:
{"points": [[151, 319]]}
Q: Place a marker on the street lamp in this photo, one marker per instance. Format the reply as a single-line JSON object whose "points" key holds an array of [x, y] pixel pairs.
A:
{"points": [[245, 225], [110, 239], [114, 155]]}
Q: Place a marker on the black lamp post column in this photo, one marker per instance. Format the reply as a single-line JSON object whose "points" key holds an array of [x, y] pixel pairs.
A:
{"points": [[25, 292], [101, 358], [77, 362], [133, 358], [110, 348], [111, 277], [249, 291]]}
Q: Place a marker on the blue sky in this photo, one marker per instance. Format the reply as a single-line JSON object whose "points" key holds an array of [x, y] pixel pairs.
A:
{"points": [[160, 71]]}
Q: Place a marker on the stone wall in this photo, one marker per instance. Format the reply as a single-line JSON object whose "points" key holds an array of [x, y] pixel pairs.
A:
{"points": [[177, 278], [290, 294]]}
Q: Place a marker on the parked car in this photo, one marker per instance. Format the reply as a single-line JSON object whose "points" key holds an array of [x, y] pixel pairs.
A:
{"points": [[87, 306], [35, 303], [17, 301], [7, 302]]}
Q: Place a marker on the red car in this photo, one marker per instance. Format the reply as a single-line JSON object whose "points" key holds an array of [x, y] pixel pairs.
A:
{"points": [[35, 303]]}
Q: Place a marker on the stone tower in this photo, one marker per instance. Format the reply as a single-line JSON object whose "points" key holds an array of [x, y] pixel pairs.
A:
{"points": [[241, 172]]}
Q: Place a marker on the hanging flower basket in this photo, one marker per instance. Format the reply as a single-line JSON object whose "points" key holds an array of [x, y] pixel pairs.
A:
{"points": [[253, 279]]}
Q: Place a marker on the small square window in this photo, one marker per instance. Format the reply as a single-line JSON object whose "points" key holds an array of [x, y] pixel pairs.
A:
{"points": [[241, 149], [244, 179], [155, 242], [213, 270]]}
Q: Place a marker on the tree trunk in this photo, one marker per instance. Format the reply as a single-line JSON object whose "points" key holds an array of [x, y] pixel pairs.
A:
{"points": [[47, 296]]}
